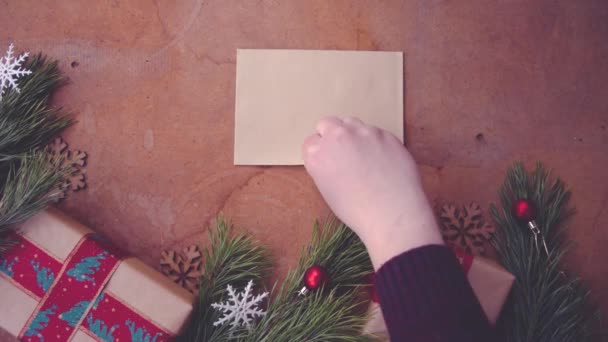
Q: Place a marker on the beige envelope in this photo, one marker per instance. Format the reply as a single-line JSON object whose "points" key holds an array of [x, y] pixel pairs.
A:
{"points": [[280, 95]]}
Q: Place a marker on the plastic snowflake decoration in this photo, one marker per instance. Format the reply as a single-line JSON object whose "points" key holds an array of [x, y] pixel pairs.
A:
{"points": [[10, 70], [240, 308]]}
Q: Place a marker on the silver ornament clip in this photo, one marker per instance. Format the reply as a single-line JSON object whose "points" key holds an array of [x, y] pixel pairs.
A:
{"points": [[536, 232]]}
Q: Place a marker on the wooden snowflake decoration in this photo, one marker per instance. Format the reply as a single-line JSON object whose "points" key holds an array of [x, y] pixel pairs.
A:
{"points": [[464, 227], [183, 268], [60, 155]]}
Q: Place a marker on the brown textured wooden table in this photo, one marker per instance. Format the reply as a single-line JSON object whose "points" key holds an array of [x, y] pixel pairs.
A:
{"points": [[152, 85]]}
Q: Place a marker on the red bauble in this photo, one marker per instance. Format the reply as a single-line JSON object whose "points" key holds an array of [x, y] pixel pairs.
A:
{"points": [[315, 277], [524, 210]]}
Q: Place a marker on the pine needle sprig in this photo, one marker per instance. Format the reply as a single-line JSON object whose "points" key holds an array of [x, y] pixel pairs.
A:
{"points": [[28, 180], [31, 183], [331, 313], [27, 122], [320, 316], [229, 260], [545, 304]]}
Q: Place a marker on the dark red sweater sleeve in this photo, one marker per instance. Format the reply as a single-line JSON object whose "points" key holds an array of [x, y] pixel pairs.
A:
{"points": [[425, 296]]}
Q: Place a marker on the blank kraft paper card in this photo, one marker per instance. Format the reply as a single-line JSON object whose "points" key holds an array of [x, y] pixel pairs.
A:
{"points": [[281, 94]]}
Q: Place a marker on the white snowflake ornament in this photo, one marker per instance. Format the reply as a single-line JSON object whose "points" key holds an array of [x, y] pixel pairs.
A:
{"points": [[240, 308], [10, 70]]}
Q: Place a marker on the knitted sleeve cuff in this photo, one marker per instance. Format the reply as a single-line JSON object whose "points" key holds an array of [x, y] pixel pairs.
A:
{"points": [[425, 295]]}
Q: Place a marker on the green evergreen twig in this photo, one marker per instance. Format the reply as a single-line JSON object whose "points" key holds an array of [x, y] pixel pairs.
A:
{"points": [[27, 122], [546, 304], [28, 180], [229, 260], [332, 313], [31, 182]]}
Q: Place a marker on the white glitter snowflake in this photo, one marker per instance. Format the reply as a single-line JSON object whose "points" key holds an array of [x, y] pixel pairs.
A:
{"points": [[10, 70], [240, 308]]}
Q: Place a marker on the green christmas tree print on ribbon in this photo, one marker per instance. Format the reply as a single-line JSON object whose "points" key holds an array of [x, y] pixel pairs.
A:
{"points": [[73, 316], [97, 301], [40, 322], [100, 329], [140, 334], [83, 270], [6, 267], [44, 276]]}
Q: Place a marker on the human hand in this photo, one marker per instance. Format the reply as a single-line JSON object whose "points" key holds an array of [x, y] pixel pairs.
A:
{"points": [[371, 183]]}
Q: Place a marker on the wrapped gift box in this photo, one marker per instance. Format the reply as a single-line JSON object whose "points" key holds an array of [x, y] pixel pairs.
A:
{"points": [[62, 282], [490, 282]]}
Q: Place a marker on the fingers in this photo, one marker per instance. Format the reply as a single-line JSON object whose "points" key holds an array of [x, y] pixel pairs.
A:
{"points": [[352, 121], [310, 146], [326, 124], [360, 127]]}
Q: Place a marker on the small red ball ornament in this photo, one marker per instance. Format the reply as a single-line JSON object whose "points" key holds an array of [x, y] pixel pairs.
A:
{"points": [[524, 210], [315, 277]]}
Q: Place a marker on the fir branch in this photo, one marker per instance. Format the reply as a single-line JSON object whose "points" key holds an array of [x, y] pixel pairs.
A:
{"points": [[545, 304], [28, 180], [27, 122], [320, 316], [228, 261], [31, 183], [328, 314]]}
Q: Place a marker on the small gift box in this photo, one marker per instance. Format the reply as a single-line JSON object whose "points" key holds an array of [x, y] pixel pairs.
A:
{"points": [[490, 282], [62, 282]]}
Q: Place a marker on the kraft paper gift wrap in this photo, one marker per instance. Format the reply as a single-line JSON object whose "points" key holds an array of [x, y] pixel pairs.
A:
{"points": [[490, 282], [281, 94], [135, 301]]}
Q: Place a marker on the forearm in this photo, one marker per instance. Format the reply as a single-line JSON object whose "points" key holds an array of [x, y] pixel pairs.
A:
{"points": [[425, 296], [415, 227]]}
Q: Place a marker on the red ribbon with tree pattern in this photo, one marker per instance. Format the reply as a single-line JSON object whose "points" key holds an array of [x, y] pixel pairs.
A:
{"points": [[72, 294]]}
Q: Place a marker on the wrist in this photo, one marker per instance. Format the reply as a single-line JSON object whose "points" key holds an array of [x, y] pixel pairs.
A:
{"points": [[399, 239]]}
